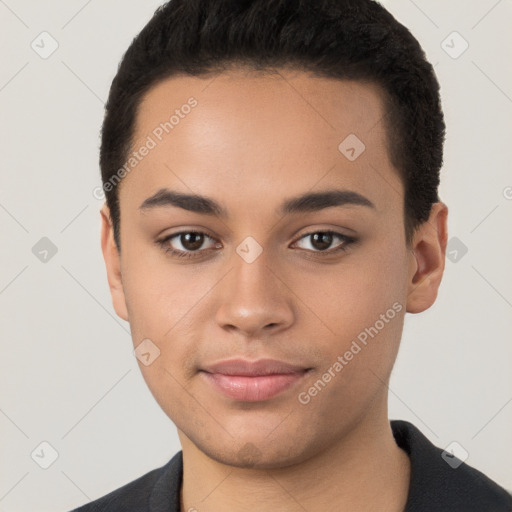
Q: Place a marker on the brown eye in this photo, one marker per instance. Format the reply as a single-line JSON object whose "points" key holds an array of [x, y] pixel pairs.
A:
{"points": [[189, 244], [191, 241], [321, 241]]}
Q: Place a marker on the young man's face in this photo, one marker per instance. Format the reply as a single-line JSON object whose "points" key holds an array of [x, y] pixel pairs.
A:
{"points": [[256, 287]]}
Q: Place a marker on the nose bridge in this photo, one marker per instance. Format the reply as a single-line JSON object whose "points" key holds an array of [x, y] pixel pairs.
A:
{"points": [[252, 297], [252, 275]]}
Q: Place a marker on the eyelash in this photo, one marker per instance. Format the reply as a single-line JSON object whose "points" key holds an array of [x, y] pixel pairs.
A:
{"points": [[163, 243]]}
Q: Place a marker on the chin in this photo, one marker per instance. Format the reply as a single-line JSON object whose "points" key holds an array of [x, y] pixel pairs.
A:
{"points": [[255, 454]]}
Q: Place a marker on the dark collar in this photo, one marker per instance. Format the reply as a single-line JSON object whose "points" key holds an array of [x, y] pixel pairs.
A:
{"points": [[435, 486]]}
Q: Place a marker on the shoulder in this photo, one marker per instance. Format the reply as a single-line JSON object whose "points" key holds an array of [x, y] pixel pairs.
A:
{"points": [[441, 482], [156, 490]]}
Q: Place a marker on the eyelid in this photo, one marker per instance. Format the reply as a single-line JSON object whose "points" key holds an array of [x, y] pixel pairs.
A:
{"points": [[167, 238], [347, 240]]}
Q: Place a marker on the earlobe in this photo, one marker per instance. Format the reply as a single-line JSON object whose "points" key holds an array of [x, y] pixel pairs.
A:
{"points": [[427, 260], [112, 264]]}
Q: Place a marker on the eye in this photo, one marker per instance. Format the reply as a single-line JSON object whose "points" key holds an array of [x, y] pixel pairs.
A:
{"points": [[188, 242], [322, 240]]}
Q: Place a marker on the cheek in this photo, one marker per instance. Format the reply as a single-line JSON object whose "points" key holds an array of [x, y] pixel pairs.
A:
{"points": [[361, 306], [345, 299], [157, 296], [362, 310], [161, 305], [166, 305]]}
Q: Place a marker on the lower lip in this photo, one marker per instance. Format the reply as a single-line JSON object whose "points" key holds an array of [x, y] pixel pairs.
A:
{"points": [[253, 389]]}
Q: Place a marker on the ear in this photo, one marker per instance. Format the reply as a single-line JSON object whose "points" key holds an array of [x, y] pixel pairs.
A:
{"points": [[427, 260], [113, 264]]}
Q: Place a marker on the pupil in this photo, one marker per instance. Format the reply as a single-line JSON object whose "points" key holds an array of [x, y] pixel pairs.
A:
{"points": [[192, 241], [322, 240]]}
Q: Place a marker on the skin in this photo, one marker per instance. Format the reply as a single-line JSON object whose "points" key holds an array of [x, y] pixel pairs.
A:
{"points": [[253, 141]]}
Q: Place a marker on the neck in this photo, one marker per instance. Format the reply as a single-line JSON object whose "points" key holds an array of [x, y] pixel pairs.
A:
{"points": [[364, 471]]}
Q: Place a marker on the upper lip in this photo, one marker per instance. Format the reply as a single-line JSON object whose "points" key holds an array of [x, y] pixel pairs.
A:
{"points": [[253, 368]]}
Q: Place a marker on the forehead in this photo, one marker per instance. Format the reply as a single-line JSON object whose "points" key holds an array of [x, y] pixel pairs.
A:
{"points": [[279, 96], [247, 137]]}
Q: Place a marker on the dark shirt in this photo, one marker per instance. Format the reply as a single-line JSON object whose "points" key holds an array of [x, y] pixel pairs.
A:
{"points": [[434, 486]]}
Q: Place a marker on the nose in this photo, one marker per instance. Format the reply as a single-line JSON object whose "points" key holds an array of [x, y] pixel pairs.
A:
{"points": [[254, 299]]}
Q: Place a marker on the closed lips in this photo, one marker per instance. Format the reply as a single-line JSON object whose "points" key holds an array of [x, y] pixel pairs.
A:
{"points": [[253, 368], [256, 381]]}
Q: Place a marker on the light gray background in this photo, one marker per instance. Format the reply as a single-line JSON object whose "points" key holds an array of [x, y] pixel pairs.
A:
{"points": [[67, 370]]}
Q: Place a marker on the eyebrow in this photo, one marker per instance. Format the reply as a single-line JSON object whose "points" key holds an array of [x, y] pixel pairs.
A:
{"points": [[308, 202]]}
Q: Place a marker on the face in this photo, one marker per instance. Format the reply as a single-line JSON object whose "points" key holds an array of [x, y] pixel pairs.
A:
{"points": [[294, 260]]}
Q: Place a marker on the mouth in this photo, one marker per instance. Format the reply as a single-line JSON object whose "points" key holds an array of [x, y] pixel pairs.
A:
{"points": [[253, 381]]}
